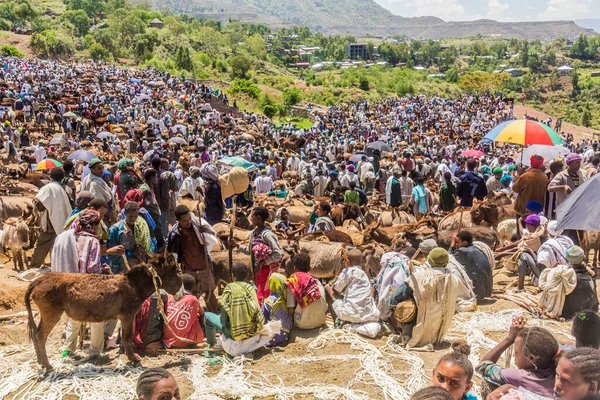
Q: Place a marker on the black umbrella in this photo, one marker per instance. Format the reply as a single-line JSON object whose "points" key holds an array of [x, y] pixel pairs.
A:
{"points": [[379, 145]]}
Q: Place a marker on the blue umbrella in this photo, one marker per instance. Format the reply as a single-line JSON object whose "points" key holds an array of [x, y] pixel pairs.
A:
{"points": [[81, 155], [134, 80], [238, 162]]}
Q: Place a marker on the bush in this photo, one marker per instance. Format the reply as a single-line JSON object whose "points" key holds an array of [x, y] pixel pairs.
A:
{"points": [[246, 87], [11, 51], [404, 88], [586, 118], [270, 110], [364, 83], [98, 52], [292, 96]]}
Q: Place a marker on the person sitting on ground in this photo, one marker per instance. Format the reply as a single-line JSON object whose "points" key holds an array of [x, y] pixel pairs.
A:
{"points": [[435, 301], [536, 352], [306, 295], [577, 378], [351, 196], [553, 251], [148, 325], [357, 304], [322, 221], [584, 296], [475, 262], [454, 372], [432, 393], [241, 318], [184, 317], [157, 384], [275, 309], [586, 325]]}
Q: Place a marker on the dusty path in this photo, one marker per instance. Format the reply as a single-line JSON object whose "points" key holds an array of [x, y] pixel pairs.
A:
{"points": [[579, 132]]}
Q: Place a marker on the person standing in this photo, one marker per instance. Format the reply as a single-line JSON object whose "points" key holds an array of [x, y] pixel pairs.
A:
{"points": [[98, 186], [53, 204], [393, 190], [264, 250], [192, 185], [191, 241], [215, 208], [531, 186], [77, 251], [565, 182], [470, 185]]}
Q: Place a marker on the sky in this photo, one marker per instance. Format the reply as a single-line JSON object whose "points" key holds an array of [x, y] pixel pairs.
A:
{"points": [[500, 10]]}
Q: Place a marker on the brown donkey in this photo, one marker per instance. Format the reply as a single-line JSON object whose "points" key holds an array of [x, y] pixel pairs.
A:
{"points": [[96, 298]]}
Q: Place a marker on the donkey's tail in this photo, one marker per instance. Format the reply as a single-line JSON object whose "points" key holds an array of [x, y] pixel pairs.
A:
{"points": [[32, 328]]}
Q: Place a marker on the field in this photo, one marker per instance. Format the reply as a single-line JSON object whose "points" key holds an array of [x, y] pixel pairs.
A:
{"points": [[317, 364]]}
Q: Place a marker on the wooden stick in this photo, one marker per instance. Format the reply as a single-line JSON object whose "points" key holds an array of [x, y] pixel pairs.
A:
{"points": [[126, 262], [16, 315]]}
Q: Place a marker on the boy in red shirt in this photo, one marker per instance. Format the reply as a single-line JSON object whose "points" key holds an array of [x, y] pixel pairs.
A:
{"points": [[184, 317]]}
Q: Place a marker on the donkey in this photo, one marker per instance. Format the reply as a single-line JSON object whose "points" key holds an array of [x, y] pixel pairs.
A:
{"points": [[16, 239], [96, 298]]}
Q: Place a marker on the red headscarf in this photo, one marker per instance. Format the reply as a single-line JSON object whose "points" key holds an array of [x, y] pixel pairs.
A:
{"points": [[134, 195], [536, 161]]}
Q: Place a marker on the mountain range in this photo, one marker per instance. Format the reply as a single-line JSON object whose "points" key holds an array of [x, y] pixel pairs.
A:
{"points": [[363, 17]]}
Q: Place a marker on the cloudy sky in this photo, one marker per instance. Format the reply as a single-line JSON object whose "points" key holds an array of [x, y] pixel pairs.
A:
{"points": [[501, 10]]}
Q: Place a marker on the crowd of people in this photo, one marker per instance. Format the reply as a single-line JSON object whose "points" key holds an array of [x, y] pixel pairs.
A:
{"points": [[158, 144]]}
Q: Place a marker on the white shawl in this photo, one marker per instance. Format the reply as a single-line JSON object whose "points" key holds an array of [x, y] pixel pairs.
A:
{"points": [[98, 187], [556, 283], [55, 200], [64, 253]]}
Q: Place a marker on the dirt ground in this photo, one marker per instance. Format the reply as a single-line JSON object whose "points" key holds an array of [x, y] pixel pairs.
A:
{"points": [[579, 132], [348, 368]]}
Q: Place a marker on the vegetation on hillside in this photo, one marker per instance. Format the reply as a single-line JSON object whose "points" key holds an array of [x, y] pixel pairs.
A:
{"points": [[261, 63]]}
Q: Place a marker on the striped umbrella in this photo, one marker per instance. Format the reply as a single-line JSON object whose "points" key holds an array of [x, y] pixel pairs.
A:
{"points": [[524, 132], [47, 164]]}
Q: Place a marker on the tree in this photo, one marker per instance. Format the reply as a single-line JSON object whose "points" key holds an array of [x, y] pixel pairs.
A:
{"points": [[524, 56], [79, 19], [240, 65], [364, 83], [551, 58], [586, 117], [534, 63], [98, 53], [370, 50], [292, 96], [183, 59]]}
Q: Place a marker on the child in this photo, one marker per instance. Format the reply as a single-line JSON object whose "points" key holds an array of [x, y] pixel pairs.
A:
{"points": [[432, 393], [584, 296], [264, 251], [306, 295], [536, 353], [275, 309], [286, 226], [586, 326], [447, 193], [351, 195], [454, 372]]}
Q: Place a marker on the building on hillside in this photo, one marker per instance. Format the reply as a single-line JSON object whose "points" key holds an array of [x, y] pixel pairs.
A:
{"points": [[514, 72], [356, 51], [156, 23], [565, 69]]}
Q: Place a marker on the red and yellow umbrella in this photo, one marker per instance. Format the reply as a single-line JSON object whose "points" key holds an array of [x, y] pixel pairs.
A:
{"points": [[524, 132], [47, 164]]}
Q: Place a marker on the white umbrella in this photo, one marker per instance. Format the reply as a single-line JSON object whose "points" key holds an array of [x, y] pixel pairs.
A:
{"points": [[548, 152], [70, 114], [105, 135], [81, 155], [178, 139], [57, 140], [580, 210], [206, 107], [181, 127]]}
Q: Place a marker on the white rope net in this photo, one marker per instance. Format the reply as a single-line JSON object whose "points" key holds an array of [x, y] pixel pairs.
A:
{"points": [[388, 371]]}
